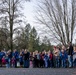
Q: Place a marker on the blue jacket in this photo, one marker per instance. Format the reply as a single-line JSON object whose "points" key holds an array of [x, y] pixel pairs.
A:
{"points": [[63, 55], [46, 57], [2, 54], [20, 58], [16, 55]]}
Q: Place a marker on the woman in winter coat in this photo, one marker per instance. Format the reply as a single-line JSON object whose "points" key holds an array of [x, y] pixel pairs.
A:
{"points": [[46, 58], [56, 56], [63, 57]]}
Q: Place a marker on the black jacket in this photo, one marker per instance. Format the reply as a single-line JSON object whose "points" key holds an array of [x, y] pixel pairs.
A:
{"points": [[70, 51], [26, 56]]}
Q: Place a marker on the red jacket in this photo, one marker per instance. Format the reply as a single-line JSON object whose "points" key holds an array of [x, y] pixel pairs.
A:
{"points": [[51, 56]]}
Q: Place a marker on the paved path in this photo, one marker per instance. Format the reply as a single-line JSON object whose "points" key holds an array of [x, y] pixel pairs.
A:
{"points": [[37, 71]]}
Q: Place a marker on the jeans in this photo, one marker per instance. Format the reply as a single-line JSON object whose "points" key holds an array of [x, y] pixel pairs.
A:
{"points": [[13, 65], [57, 63], [26, 63], [46, 63], [70, 60], [51, 63], [7, 65], [63, 63], [74, 63], [9, 62]]}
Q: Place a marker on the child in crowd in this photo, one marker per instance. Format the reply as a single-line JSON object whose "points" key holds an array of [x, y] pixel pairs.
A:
{"points": [[50, 58], [63, 57], [7, 61], [21, 59], [31, 60], [56, 53], [42, 64], [46, 58], [3, 61], [13, 61], [38, 58]]}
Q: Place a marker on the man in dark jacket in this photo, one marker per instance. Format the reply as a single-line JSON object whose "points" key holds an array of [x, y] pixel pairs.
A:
{"points": [[70, 52], [26, 56]]}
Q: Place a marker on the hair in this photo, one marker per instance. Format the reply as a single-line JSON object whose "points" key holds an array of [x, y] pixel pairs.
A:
{"points": [[74, 47], [63, 47], [70, 42]]}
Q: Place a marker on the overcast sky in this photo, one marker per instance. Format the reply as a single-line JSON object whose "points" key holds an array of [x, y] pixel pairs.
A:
{"points": [[29, 11]]}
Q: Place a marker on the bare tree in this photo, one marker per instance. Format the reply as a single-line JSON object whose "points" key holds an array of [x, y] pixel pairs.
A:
{"points": [[11, 9], [4, 35], [59, 16]]}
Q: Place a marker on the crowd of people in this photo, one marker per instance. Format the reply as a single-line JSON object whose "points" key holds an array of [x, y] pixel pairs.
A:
{"points": [[59, 57]]}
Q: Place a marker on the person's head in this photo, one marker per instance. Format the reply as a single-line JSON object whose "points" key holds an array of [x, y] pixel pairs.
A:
{"points": [[10, 50], [22, 50], [69, 43], [1, 50], [28, 50], [31, 53], [15, 50], [74, 48], [20, 53], [63, 47], [46, 53], [49, 51], [57, 50], [36, 51], [40, 52], [34, 54], [62, 51], [25, 51]]}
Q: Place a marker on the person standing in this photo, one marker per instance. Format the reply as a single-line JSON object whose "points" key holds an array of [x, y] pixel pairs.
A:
{"points": [[26, 59], [7, 60], [74, 57], [63, 57], [56, 56], [46, 58], [21, 59], [2, 54], [50, 54], [13, 60], [70, 54], [10, 57], [16, 55], [42, 64]]}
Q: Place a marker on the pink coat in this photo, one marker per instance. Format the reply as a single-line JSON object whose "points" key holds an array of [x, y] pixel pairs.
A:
{"points": [[3, 61]]}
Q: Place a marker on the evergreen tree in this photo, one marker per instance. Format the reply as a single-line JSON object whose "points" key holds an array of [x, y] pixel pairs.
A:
{"points": [[32, 39]]}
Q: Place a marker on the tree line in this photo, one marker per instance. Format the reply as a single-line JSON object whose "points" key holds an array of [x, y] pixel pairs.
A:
{"points": [[24, 38], [58, 17]]}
